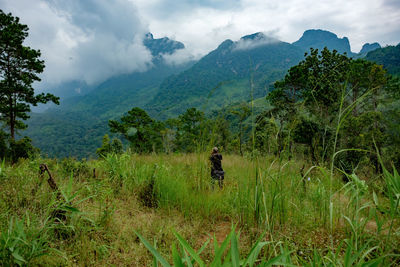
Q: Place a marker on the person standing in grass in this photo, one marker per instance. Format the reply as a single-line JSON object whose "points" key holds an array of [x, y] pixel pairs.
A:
{"points": [[217, 173]]}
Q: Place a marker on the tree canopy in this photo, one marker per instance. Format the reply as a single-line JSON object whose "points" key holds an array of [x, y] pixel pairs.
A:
{"points": [[328, 94], [19, 69]]}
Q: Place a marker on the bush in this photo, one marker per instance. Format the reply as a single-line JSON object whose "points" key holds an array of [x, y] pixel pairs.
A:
{"points": [[22, 148]]}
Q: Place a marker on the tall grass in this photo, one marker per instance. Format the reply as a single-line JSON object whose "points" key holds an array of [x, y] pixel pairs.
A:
{"points": [[267, 198]]}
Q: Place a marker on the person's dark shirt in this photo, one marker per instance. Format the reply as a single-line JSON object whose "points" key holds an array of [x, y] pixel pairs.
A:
{"points": [[216, 162]]}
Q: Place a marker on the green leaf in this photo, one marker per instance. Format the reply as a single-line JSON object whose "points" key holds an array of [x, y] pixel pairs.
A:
{"points": [[189, 249], [176, 257], [375, 198], [18, 257], [203, 247], [218, 253], [153, 250], [253, 255], [70, 208], [234, 251]]}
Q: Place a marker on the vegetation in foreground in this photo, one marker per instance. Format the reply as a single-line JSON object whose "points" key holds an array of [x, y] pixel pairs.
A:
{"points": [[106, 209]]}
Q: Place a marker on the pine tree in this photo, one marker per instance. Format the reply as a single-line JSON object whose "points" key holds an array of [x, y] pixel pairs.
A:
{"points": [[19, 69]]}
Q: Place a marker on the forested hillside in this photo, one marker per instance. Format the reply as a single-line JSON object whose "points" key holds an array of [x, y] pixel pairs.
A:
{"points": [[235, 72], [87, 115], [387, 56]]}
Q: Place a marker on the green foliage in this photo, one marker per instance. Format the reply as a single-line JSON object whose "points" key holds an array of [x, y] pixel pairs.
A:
{"points": [[75, 167], [307, 101], [265, 134], [3, 144], [229, 64], [189, 130], [20, 244], [142, 132], [22, 148], [77, 129], [19, 69], [222, 255], [115, 146], [283, 218], [387, 56]]}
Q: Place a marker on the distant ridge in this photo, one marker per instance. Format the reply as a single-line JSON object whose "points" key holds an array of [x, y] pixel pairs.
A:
{"points": [[388, 56], [161, 45], [369, 47], [320, 38], [234, 72], [233, 63]]}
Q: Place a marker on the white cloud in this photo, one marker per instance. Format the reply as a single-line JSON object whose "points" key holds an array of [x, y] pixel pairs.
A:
{"points": [[179, 57], [93, 40], [84, 40], [203, 27], [258, 40]]}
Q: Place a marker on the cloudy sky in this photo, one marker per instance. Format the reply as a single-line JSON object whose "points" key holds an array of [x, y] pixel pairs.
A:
{"points": [[92, 40]]}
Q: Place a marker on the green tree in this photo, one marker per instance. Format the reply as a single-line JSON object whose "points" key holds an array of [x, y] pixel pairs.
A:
{"points": [[3, 144], [312, 89], [216, 132], [309, 97], [143, 133], [365, 127], [265, 133], [190, 129], [19, 68], [242, 113], [115, 146], [22, 148]]}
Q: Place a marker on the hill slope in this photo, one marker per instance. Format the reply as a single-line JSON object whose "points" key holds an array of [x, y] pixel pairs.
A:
{"points": [[388, 56], [254, 57], [233, 72], [76, 127], [319, 39]]}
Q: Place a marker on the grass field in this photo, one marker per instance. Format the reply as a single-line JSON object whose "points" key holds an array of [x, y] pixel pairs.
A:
{"points": [[294, 213]]}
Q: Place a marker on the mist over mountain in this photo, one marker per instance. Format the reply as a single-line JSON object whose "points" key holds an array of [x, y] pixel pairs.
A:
{"points": [[161, 45], [87, 114], [235, 71], [255, 58]]}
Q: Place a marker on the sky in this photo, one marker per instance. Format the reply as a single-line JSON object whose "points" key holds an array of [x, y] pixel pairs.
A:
{"points": [[92, 40]]}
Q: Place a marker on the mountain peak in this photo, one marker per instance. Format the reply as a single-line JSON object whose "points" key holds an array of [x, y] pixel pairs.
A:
{"points": [[369, 47], [254, 40], [258, 37], [254, 36], [225, 44], [161, 45], [318, 39]]}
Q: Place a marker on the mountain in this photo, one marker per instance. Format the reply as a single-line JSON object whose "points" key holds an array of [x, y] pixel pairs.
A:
{"points": [[235, 71], [75, 127], [161, 45], [388, 56], [369, 47], [321, 38], [225, 76]]}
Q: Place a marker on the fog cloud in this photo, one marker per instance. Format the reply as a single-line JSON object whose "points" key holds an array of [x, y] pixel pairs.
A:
{"points": [[259, 39], [93, 40], [180, 56], [89, 40]]}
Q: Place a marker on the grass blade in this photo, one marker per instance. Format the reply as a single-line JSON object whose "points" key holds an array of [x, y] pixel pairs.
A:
{"points": [[189, 249], [234, 251], [153, 251]]}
